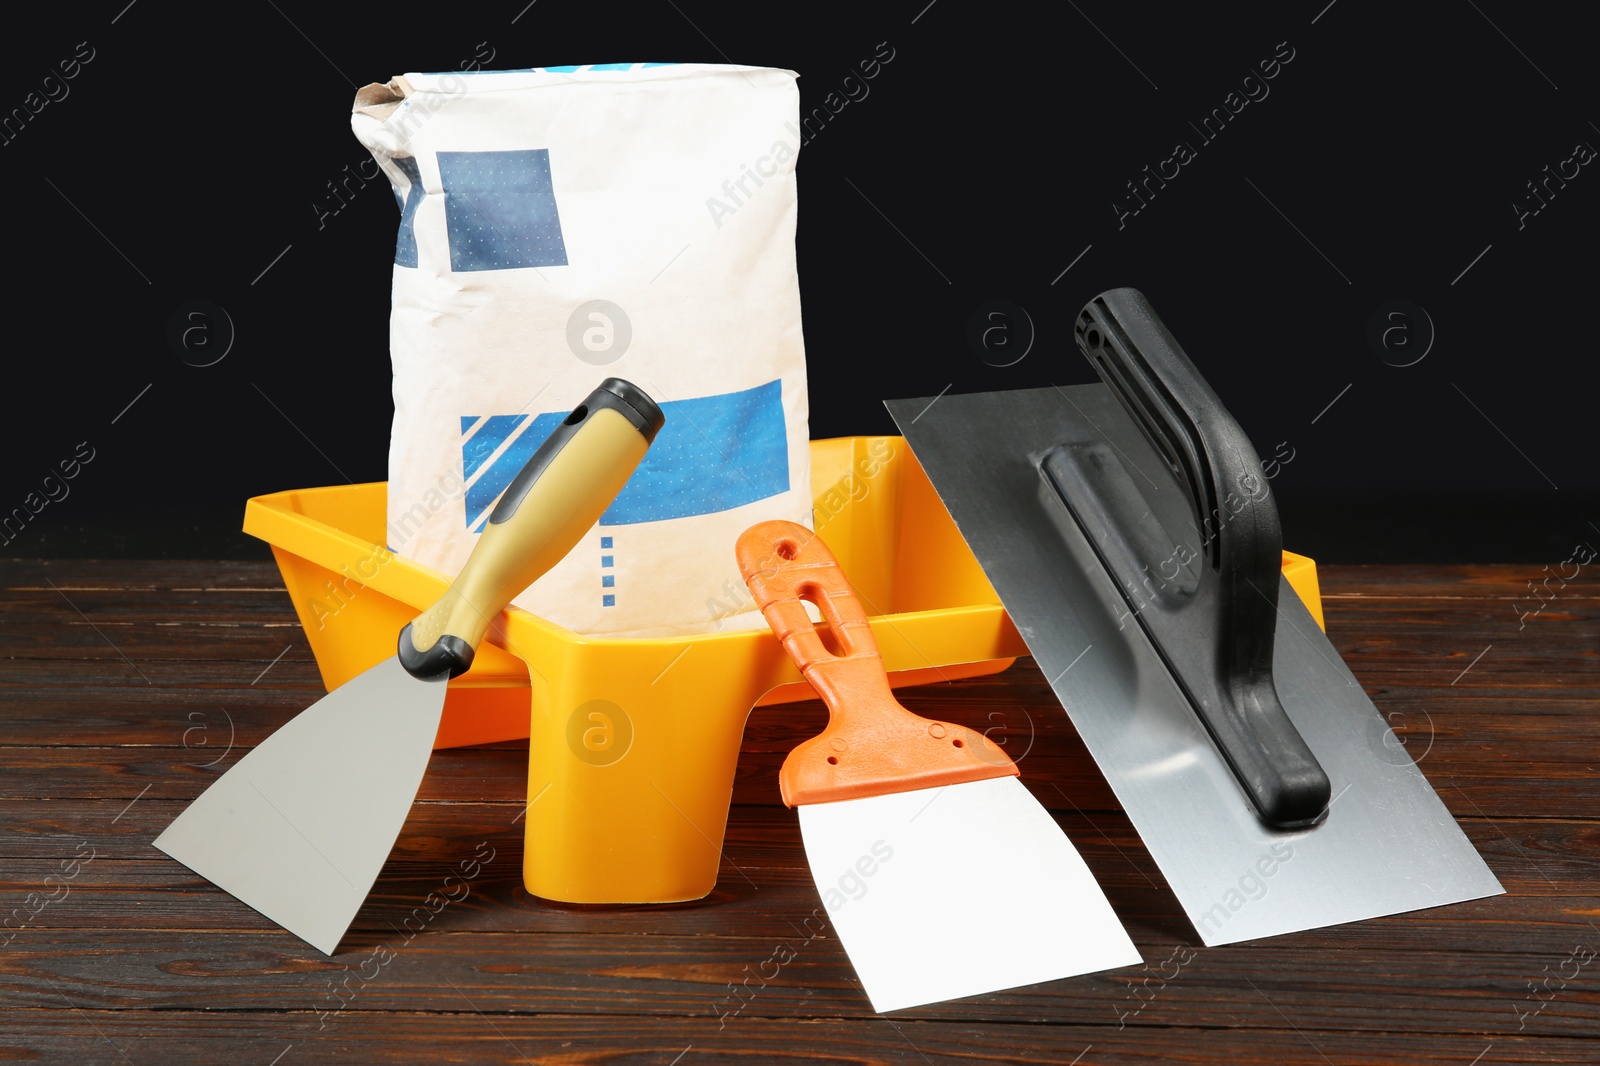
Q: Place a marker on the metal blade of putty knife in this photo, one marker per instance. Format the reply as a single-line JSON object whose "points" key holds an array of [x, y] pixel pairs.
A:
{"points": [[941, 873], [301, 825]]}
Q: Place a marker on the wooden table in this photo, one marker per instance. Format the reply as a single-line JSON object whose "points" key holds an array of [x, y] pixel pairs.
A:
{"points": [[124, 683]]}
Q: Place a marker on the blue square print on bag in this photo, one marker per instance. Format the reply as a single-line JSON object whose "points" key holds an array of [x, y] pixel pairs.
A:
{"points": [[500, 210]]}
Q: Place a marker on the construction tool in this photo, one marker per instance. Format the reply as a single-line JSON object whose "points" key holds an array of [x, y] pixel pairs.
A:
{"points": [[918, 832], [1133, 536], [300, 826]]}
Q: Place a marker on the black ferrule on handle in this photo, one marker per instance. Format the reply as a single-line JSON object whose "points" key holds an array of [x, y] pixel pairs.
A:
{"points": [[449, 657]]}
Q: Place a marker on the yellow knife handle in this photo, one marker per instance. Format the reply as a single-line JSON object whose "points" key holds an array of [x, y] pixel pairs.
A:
{"points": [[552, 502]]}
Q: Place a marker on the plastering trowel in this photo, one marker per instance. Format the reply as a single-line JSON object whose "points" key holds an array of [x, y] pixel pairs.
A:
{"points": [[1131, 534]]}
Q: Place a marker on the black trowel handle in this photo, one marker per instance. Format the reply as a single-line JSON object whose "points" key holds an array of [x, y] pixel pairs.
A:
{"points": [[1218, 637], [552, 502], [1204, 448]]}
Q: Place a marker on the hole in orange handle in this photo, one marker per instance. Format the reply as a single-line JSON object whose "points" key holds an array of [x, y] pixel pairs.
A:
{"points": [[813, 595], [957, 742], [833, 760], [787, 549]]}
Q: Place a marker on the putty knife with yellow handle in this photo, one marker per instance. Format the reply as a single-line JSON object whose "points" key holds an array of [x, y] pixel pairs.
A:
{"points": [[300, 827]]}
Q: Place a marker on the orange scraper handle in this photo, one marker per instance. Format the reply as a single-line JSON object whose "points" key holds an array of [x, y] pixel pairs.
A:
{"points": [[872, 746]]}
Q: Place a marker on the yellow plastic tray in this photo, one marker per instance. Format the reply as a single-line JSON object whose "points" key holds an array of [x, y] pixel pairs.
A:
{"points": [[634, 742]]}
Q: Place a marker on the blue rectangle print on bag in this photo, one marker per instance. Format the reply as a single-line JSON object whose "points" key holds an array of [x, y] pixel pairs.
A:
{"points": [[500, 210], [485, 441], [715, 453]]}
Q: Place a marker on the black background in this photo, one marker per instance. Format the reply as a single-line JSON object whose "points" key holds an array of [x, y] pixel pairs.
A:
{"points": [[194, 148]]}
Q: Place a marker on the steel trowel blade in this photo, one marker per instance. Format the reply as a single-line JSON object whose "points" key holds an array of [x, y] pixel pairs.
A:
{"points": [[1388, 845]]}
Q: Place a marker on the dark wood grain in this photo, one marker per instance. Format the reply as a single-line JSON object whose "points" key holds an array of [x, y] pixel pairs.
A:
{"points": [[127, 687], [765, 879], [677, 975], [1550, 776], [489, 1037]]}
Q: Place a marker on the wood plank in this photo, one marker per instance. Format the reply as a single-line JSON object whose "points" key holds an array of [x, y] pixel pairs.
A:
{"points": [[97, 681], [1506, 776], [457, 1032], [765, 886], [673, 974], [155, 640], [153, 574], [1450, 580], [109, 703], [1024, 720]]}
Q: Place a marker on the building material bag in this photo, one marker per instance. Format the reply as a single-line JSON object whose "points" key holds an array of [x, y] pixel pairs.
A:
{"points": [[563, 225]]}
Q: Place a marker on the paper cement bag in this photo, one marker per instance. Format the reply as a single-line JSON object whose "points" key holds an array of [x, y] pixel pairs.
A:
{"points": [[560, 226]]}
